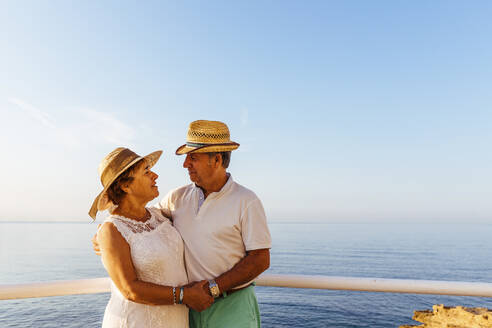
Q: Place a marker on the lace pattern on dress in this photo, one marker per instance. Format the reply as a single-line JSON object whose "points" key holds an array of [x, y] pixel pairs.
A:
{"points": [[127, 227]]}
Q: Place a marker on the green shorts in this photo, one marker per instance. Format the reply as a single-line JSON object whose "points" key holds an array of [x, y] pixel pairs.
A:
{"points": [[238, 310]]}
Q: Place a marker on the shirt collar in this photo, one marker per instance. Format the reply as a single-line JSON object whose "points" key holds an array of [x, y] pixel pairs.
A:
{"points": [[222, 191]]}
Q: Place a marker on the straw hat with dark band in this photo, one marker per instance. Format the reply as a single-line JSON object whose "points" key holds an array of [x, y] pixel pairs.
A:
{"points": [[207, 137], [111, 167]]}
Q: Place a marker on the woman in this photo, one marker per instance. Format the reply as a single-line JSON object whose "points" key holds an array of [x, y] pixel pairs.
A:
{"points": [[141, 250]]}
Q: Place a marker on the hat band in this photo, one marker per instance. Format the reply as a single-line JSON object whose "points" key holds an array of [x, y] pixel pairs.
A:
{"points": [[193, 144]]}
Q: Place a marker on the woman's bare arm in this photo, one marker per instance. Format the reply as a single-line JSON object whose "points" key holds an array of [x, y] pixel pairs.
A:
{"points": [[116, 257]]}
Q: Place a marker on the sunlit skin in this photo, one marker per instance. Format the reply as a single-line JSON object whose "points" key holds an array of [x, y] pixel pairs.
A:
{"points": [[141, 190], [205, 171], [116, 253]]}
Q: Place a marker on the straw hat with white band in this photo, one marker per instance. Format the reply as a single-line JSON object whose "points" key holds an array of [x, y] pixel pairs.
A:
{"points": [[111, 167], [207, 137]]}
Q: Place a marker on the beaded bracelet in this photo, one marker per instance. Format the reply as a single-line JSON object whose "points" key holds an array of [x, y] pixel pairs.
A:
{"points": [[174, 295], [181, 295]]}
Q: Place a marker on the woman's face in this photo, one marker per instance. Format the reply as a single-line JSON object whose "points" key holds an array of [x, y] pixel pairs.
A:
{"points": [[143, 186]]}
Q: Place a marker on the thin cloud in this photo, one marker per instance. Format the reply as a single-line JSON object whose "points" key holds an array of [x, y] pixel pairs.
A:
{"points": [[34, 112], [107, 127], [80, 127]]}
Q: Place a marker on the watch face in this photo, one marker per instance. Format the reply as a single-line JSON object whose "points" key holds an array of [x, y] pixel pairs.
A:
{"points": [[214, 290]]}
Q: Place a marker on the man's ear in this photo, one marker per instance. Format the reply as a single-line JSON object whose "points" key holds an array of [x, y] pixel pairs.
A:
{"points": [[218, 160]]}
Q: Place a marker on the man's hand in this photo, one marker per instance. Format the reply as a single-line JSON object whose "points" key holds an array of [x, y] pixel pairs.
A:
{"points": [[95, 244], [197, 296]]}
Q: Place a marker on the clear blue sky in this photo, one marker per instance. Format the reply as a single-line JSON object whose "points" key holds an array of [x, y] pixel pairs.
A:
{"points": [[346, 111]]}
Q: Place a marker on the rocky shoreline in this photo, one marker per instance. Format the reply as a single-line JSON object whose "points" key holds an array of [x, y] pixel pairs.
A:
{"points": [[452, 317]]}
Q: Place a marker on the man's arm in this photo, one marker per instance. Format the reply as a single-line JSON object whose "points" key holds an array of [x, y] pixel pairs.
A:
{"points": [[256, 237], [248, 268]]}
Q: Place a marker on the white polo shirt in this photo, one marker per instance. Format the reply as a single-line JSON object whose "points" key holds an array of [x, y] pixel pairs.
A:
{"points": [[218, 233]]}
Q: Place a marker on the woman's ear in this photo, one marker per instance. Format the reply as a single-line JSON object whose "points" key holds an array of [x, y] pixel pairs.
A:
{"points": [[125, 186]]}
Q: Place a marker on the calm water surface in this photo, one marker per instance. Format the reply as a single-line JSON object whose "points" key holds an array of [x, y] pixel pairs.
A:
{"points": [[33, 252]]}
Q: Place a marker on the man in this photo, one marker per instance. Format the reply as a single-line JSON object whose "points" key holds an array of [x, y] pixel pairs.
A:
{"points": [[224, 229], [223, 226]]}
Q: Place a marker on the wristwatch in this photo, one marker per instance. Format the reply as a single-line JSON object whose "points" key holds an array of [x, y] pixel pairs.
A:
{"points": [[214, 288]]}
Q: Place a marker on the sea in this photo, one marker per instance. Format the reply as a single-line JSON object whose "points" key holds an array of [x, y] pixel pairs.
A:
{"points": [[36, 252]]}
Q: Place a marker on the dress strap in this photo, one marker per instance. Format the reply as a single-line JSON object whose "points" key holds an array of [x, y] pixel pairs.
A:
{"points": [[160, 215], [124, 229]]}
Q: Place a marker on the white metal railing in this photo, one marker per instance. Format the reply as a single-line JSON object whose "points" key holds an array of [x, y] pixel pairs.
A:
{"points": [[101, 285]]}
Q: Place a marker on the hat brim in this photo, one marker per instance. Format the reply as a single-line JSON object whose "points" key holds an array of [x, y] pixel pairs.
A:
{"points": [[211, 148], [102, 202]]}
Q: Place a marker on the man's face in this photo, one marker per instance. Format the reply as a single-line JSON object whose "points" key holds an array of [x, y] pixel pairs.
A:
{"points": [[200, 167]]}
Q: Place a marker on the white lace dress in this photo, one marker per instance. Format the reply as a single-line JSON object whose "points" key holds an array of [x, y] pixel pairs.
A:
{"points": [[157, 255]]}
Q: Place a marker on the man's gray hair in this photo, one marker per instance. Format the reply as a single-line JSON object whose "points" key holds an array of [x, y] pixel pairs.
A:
{"points": [[226, 157]]}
